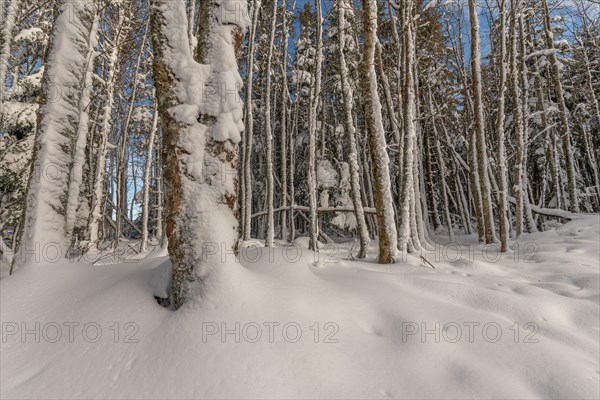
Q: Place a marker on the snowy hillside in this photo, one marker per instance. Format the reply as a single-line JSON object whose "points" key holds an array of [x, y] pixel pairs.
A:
{"points": [[528, 324]]}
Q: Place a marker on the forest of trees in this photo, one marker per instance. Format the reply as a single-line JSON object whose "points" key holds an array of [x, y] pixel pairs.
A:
{"points": [[186, 122]]}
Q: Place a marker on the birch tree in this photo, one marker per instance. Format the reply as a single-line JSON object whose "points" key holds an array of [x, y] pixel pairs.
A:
{"points": [[408, 239], [285, 95], [502, 171], [249, 131], [480, 139], [269, 242], [517, 110], [345, 41], [315, 95], [147, 178]]}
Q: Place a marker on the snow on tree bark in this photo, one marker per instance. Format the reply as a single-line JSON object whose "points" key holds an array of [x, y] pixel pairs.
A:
{"points": [[285, 95], [408, 239], [147, 178], [480, 140], [9, 14], [269, 241], [249, 131], [348, 99], [517, 110], [202, 122], [384, 202], [502, 172], [47, 197], [315, 95], [76, 179]]}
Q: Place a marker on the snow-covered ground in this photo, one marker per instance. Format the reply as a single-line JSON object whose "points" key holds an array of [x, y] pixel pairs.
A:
{"points": [[525, 326]]}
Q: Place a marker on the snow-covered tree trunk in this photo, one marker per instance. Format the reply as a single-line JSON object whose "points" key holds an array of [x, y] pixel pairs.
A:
{"points": [[9, 13], [269, 241], [464, 206], [479, 122], [387, 91], [44, 228], [285, 95], [398, 19], [517, 110], [502, 170], [408, 237], [475, 186], [384, 202], [147, 181], [565, 130], [160, 234], [421, 203], [249, 131], [431, 197], [292, 169], [350, 130], [202, 122], [528, 216], [76, 179], [315, 95]]}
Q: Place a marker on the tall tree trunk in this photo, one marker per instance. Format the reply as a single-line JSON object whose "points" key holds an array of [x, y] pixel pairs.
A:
{"points": [[528, 216], [285, 95], [482, 159], [82, 132], [502, 171], [269, 241], [350, 131], [201, 130], [249, 131], [517, 111], [408, 237], [44, 226], [147, 181], [315, 96], [160, 234], [384, 202]]}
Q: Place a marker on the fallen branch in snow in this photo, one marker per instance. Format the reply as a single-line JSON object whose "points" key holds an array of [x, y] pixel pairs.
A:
{"points": [[427, 262], [123, 216], [327, 239], [368, 210], [548, 212]]}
